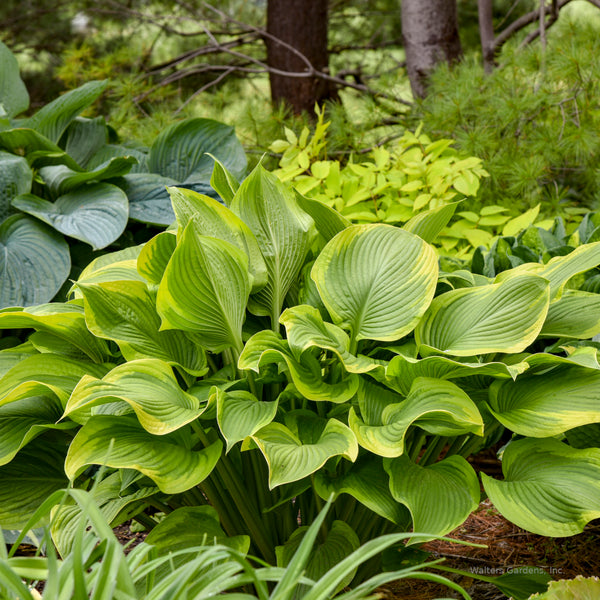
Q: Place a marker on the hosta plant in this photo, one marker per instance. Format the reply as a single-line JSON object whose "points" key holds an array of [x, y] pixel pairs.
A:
{"points": [[65, 175], [267, 355]]}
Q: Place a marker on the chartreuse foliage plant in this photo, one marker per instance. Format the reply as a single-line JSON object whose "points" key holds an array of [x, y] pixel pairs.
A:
{"points": [[65, 175], [97, 567], [266, 355]]}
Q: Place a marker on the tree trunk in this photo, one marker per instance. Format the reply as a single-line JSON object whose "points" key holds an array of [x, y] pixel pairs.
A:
{"points": [[301, 26], [430, 32], [486, 33]]}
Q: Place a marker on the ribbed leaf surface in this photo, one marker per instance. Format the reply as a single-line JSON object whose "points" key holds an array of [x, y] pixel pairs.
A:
{"points": [[575, 315], [13, 93], [149, 200], [15, 178], [376, 280], [155, 256], [549, 488], [428, 224]]}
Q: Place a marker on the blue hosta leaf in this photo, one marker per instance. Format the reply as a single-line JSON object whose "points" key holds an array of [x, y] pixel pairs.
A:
{"points": [[14, 98], [439, 497], [15, 178], [149, 201], [96, 214], [549, 488], [34, 262], [85, 137]]}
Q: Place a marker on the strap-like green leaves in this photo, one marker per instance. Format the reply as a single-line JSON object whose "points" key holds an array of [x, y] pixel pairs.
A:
{"points": [[376, 280], [120, 442], [548, 488], [148, 386], [290, 460], [205, 289], [504, 317], [548, 404], [439, 497], [125, 312]]}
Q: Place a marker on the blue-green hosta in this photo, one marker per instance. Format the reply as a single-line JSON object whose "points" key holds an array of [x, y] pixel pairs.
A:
{"points": [[266, 355], [63, 175]]}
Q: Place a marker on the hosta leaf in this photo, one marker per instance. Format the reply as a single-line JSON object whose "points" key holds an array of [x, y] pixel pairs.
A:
{"points": [[575, 315], [53, 118], [376, 280], [155, 256], [548, 488], [95, 213], [452, 492], [438, 406], [105, 260], [148, 386], [429, 224], [182, 151], [340, 542], [215, 220], [266, 347], [125, 311], [284, 233], [290, 460], [85, 137], [545, 405], [586, 436], [579, 588], [125, 270], [120, 442], [504, 317], [60, 179], [14, 98], [328, 221], [15, 178], [581, 357], [240, 414], [149, 201], [192, 526], [205, 289], [35, 473], [366, 481], [34, 262], [11, 356], [223, 182], [65, 321]]}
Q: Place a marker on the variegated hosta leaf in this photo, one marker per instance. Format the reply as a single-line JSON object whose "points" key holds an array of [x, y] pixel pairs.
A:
{"points": [[305, 329], [241, 414], [148, 386], [12, 356], [549, 488], [215, 220], [581, 357], [403, 370], [586, 436], [504, 317], [438, 406], [125, 312], [120, 442], [155, 256], [284, 233], [290, 460], [66, 321], [36, 472], [428, 224], [340, 542], [191, 526], [575, 315], [559, 269], [376, 280], [53, 370], [328, 221], [266, 347], [366, 481], [205, 289], [223, 181], [439, 497], [548, 404]]}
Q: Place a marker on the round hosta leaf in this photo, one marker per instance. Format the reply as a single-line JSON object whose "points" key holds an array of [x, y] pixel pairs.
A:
{"points": [[575, 315], [181, 151], [125, 311], [205, 289], [439, 497], [504, 317], [439, 407], [340, 542], [35, 473], [120, 442], [192, 526], [34, 262], [241, 414], [15, 178], [14, 98], [155, 256], [376, 280], [290, 460], [149, 201], [96, 214], [549, 404], [148, 386], [85, 137], [549, 488]]}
